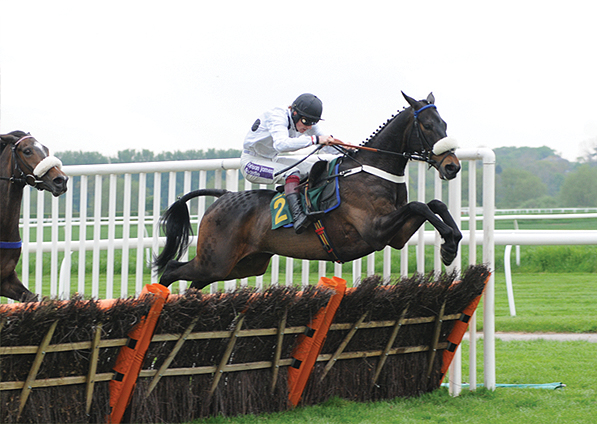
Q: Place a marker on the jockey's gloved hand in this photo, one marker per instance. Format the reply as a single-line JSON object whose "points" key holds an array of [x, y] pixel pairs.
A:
{"points": [[326, 140]]}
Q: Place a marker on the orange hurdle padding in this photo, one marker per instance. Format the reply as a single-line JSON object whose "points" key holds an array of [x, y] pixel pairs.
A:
{"points": [[130, 357], [15, 307], [457, 333], [310, 344]]}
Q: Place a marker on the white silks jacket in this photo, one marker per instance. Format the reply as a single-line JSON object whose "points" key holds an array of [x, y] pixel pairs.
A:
{"points": [[275, 133]]}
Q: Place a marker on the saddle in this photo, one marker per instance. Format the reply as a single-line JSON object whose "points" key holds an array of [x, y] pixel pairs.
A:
{"points": [[319, 194]]}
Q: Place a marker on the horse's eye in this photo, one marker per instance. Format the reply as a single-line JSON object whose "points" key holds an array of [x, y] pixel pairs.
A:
{"points": [[27, 152], [427, 126]]}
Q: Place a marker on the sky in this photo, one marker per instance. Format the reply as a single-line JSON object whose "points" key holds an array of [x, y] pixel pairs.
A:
{"points": [[107, 75]]}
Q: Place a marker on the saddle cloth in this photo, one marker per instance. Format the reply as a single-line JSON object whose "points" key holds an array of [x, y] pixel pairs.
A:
{"points": [[321, 191]]}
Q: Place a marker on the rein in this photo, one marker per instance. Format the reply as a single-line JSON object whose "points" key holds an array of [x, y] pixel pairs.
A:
{"points": [[319, 147], [427, 146], [413, 156], [424, 156]]}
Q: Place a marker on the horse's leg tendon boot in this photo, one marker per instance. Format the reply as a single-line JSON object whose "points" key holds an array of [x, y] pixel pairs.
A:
{"points": [[301, 220]]}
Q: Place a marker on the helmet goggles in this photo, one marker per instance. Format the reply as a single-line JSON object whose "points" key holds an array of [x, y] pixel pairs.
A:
{"points": [[308, 121]]}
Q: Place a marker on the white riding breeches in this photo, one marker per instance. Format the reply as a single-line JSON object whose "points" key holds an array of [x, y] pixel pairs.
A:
{"points": [[261, 170]]}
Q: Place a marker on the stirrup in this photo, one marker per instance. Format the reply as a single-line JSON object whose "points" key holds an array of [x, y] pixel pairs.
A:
{"points": [[315, 214], [301, 226]]}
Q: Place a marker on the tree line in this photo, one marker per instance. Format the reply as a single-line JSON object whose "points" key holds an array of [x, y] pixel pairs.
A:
{"points": [[526, 177], [131, 156], [540, 178]]}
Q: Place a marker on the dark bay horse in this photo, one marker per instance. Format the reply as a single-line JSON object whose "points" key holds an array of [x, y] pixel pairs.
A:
{"points": [[23, 160], [235, 237]]}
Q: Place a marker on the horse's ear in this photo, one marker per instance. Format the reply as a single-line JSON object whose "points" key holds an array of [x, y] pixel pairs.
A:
{"points": [[7, 138], [431, 98], [410, 100], [13, 137]]}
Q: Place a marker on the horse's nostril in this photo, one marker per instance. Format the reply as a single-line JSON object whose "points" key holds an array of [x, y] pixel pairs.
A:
{"points": [[60, 181], [452, 168], [450, 171]]}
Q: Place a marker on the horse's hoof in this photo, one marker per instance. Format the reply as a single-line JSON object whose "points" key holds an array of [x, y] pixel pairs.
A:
{"points": [[448, 256]]}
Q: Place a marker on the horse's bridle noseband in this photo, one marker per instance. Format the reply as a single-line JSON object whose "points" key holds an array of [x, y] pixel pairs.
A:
{"points": [[425, 156], [33, 178], [427, 146]]}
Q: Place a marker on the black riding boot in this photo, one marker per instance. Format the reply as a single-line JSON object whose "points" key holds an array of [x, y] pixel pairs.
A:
{"points": [[301, 221]]}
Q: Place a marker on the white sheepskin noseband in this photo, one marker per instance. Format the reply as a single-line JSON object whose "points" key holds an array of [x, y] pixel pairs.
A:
{"points": [[45, 165], [444, 145]]}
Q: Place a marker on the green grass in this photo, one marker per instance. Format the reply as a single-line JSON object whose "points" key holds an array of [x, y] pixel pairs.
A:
{"points": [[548, 224], [547, 303], [557, 259], [537, 224], [532, 362]]}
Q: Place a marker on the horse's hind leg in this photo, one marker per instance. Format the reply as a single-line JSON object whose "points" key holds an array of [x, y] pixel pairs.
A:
{"points": [[188, 271], [201, 276], [12, 288]]}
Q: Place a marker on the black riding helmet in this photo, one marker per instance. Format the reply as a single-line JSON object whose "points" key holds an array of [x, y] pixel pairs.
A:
{"points": [[307, 106]]}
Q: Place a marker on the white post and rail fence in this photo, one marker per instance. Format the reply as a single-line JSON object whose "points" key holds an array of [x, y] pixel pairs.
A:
{"points": [[108, 222]]}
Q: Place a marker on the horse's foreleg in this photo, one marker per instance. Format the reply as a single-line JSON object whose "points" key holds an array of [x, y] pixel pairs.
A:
{"points": [[409, 227], [12, 288], [414, 214], [449, 247]]}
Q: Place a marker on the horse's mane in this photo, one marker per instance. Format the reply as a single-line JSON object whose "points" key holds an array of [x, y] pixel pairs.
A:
{"points": [[17, 134], [375, 133]]}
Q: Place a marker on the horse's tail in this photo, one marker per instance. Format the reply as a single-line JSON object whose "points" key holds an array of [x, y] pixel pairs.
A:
{"points": [[176, 225]]}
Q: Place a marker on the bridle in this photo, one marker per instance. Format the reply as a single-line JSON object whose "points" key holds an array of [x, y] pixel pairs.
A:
{"points": [[34, 177], [427, 146], [424, 156]]}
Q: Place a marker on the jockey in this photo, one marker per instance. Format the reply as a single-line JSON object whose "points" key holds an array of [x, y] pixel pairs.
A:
{"points": [[278, 131]]}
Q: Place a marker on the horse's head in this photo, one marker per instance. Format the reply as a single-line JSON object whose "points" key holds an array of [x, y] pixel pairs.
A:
{"points": [[32, 163], [428, 140]]}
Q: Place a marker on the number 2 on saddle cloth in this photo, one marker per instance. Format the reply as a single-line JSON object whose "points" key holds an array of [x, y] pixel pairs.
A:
{"points": [[322, 196]]}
